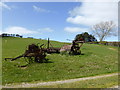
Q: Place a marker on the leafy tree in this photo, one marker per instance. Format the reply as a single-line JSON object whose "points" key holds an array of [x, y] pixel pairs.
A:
{"points": [[4, 35], [85, 37], [21, 36], [17, 35]]}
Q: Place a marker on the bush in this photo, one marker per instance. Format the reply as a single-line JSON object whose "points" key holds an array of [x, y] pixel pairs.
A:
{"points": [[103, 42], [95, 42]]}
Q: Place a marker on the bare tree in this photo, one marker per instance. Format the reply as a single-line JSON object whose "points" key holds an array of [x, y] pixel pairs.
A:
{"points": [[104, 29]]}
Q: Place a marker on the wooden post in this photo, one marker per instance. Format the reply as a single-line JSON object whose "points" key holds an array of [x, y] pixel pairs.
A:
{"points": [[48, 44]]}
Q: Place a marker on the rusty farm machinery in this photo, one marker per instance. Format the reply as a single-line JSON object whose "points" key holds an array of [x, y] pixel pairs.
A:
{"points": [[50, 49], [74, 48], [34, 52], [38, 54]]}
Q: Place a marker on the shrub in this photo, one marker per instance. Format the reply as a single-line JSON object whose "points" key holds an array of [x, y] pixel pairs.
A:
{"points": [[103, 42]]}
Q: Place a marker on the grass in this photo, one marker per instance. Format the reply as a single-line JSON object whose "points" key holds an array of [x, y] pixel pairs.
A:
{"points": [[105, 82], [95, 60]]}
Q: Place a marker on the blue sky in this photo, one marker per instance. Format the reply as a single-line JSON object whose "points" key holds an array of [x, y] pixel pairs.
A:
{"points": [[57, 20]]}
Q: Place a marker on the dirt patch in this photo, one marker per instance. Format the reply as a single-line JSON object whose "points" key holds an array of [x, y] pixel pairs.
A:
{"points": [[28, 85], [112, 48], [115, 87]]}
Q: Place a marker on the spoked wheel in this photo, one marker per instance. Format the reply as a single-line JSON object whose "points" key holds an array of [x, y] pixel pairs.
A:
{"points": [[29, 60], [38, 60]]}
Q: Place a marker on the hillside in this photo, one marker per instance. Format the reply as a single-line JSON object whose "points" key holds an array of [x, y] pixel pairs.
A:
{"points": [[95, 60]]}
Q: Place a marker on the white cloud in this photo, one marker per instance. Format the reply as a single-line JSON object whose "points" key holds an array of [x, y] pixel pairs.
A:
{"points": [[0, 31], [38, 9], [46, 29], [18, 30], [90, 13], [3, 5], [75, 29], [25, 31]]}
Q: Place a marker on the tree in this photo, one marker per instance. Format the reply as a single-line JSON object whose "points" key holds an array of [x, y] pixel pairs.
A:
{"points": [[4, 35], [104, 29], [85, 37], [13, 35], [21, 36], [17, 35]]}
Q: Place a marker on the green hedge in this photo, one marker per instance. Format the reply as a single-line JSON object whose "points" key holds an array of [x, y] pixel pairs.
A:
{"points": [[106, 43]]}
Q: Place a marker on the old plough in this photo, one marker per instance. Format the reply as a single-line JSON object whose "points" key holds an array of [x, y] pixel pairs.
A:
{"points": [[33, 53]]}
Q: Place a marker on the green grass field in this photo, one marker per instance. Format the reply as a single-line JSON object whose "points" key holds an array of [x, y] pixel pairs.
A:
{"points": [[95, 60]]}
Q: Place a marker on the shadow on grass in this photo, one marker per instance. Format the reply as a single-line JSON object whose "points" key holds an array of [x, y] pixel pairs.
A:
{"points": [[28, 64], [82, 54], [77, 54], [46, 61]]}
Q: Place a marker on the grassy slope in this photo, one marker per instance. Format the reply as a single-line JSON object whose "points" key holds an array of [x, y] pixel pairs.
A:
{"points": [[96, 59]]}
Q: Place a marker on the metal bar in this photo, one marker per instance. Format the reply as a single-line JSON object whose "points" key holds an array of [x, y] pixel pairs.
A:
{"points": [[16, 57]]}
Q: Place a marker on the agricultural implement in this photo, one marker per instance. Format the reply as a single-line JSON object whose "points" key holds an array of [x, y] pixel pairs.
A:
{"points": [[50, 49], [38, 53], [33, 53], [74, 48]]}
